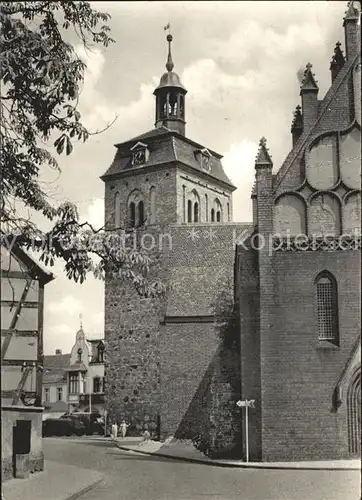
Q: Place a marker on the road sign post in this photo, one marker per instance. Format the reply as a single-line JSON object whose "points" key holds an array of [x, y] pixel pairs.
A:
{"points": [[246, 404]]}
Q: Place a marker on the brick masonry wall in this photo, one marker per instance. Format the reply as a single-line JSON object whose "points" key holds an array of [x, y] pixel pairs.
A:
{"points": [[249, 323], [169, 364], [300, 372]]}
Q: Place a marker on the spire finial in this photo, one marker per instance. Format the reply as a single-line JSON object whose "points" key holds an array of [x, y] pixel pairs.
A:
{"points": [[263, 157], [169, 64], [309, 82], [81, 321]]}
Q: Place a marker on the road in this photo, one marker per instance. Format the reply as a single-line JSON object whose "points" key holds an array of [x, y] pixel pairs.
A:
{"points": [[130, 476]]}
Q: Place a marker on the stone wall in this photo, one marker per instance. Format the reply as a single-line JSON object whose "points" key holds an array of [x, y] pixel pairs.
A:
{"points": [[9, 416]]}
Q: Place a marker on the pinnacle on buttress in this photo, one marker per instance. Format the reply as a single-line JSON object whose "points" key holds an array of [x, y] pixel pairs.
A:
{"points": [[297, 122], [263, 157], [338, 59], [352, 12], [309, 82]]}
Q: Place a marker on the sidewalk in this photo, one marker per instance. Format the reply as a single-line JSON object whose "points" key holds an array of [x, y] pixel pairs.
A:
{"points": [[56, 482], [184, 450]]}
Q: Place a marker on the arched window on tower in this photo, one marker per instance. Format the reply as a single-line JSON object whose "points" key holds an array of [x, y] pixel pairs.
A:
{"points": [[132, 214], [189, 211], [196, 212], [136, 208], [212, 215], [182, 107], [217, 211], [141, 213], [173, 104], [327, 307]]}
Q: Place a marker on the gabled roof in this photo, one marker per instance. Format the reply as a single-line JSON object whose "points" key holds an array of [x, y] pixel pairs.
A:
{"points": [[32, 266], [54, 367], [304, 138]]}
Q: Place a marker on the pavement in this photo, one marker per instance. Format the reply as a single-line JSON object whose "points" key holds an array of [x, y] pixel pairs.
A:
{"points": [[134, 469], [182, 449], [57, 482]]}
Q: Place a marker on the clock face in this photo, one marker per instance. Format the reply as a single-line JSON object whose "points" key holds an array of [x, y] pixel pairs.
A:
{"points": [[206, 162], [139, 157]]}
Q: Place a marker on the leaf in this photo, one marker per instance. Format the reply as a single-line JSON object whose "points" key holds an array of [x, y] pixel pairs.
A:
{"points": [[69, 146]]}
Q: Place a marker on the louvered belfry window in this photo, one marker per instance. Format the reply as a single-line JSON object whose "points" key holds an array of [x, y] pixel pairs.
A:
{"points": [[327, 308]]}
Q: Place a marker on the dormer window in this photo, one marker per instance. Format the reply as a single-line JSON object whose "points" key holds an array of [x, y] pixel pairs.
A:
{"points": [[203, 156], [140, 154]]}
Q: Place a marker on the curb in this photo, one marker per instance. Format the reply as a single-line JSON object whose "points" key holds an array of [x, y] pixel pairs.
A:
{"points": [[240, 466], [85, 490]]}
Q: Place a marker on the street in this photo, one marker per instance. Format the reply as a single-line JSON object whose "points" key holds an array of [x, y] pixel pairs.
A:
{"points": [[130, 476]]}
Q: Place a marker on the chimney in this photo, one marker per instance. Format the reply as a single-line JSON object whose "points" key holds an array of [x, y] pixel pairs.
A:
{"points": [[309, 94], [297, 125], [337, 61], [351, 31], [58, 352]]}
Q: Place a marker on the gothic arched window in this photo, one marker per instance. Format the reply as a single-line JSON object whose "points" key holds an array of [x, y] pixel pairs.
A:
{"points": [[141, 213], [217, 211], [132, 214], [354, 414], [327, 307], [196, 212], [212, 215], [189, 211]]}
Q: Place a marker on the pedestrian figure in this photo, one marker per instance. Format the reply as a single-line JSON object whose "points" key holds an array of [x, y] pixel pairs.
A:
{"points": [[146, 435], [114, 430], [123, 428]]}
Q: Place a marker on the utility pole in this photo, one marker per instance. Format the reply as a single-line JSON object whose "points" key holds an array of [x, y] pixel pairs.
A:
{"points": [[246, 404]]}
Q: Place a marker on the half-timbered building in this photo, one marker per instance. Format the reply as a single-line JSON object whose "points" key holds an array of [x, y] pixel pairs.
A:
{"points": [[22, 309]]}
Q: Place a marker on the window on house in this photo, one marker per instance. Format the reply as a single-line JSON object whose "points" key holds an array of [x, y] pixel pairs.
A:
{"points": [[47, 394], [97, 384], [79, 356], [189, 211], [73, 384], [101, 354], [212, 215], [327, 308], [59, 393]]}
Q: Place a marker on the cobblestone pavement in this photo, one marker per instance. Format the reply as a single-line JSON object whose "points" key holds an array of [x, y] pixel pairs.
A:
{"points": [[131, 476]]}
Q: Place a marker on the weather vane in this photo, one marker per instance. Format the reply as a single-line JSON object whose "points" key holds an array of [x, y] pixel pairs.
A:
{"points": [[168, 27], [81, 320]]}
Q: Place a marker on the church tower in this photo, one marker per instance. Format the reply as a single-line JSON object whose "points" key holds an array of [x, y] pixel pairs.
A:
{"points": [[163, 183]]}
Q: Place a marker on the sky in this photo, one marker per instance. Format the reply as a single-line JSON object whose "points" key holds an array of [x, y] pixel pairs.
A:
{"points": [[241, 63]]}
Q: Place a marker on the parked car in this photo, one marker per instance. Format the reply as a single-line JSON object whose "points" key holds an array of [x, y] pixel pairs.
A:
{"points": [[63, 427], [92, 423]]}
